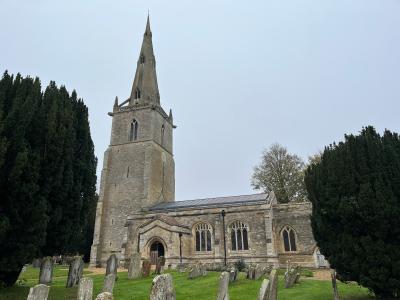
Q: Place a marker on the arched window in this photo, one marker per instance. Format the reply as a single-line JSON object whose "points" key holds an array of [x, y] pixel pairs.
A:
{"points": [[133, 132], [289, 239], [141, 59], [162, 134], [239, 236], [137, 93], [203, 237]]}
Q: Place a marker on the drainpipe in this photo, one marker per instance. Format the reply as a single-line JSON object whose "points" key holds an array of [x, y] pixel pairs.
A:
{"points": [[180, 247], [138, 243], [223, 231]]}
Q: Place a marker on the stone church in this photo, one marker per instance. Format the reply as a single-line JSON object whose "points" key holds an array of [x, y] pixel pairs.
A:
{"points": [[137, 211]]}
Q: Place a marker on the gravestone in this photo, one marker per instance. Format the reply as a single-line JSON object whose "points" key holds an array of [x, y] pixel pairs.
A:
{"points": [[38, 292], [46, 270], [85, 289], [273, 285], [334, 285], [291, 276], [112, 265], [197, 270], [233, 274], [36, 263], [104, 296], [75, 271], [223, 286], [134, 266], [259, 271], [250, 272], [181, 268], [109, 281], [160, 265], [162, 288], [146, 267], [263, 294]]}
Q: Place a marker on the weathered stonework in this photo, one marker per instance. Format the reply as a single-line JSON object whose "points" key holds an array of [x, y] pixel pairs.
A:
{"points": [[137, 211]]}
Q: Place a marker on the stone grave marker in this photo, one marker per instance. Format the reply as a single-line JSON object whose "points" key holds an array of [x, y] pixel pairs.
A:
{"points": [[334, 285], [146, 267], [38, 292], [160, 265], [134, 266], [104, 296], [273, 285], [112, 265], [109, 281], [250, 272], [291, 276], [36, 263], [46, 270], [233, 274], [75, 271], [162, 288], [223, 286], [85, 289], [263, 294]]}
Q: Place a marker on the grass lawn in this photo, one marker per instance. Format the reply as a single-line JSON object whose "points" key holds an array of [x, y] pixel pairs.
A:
{"points": [[200, 288]]}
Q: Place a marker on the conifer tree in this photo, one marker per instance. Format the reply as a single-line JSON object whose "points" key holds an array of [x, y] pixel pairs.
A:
{"points": [[355, 192], [47, 174]]}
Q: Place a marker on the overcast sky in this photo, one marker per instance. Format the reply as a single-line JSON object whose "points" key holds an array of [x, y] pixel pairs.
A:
{"points": [[238, 75]]}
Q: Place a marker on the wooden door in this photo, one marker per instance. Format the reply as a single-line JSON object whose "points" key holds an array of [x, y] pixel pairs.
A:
{"points": [[153, 257]]}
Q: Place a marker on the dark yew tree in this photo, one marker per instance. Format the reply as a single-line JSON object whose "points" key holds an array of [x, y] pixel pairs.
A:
{"points": [[355, 192], [47, 174], [23, 218]]}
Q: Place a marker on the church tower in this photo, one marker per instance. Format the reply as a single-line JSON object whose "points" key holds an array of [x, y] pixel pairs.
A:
{"points": [[138, 169]]}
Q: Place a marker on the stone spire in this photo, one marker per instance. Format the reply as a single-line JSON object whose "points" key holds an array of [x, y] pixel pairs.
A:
{"points": [[145, 87]]}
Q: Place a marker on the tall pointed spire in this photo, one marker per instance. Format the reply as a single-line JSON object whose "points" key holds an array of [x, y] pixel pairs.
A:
{"points": [[145, 86]]}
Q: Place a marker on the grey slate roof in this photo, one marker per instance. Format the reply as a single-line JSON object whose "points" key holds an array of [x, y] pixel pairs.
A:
{"points": [[209, 202]]}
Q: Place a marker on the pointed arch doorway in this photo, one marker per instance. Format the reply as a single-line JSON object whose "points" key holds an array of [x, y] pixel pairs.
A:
{"points": [[156, 250]]}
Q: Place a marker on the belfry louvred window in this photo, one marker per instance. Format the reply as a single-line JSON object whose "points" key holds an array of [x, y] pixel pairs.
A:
{"points": [[203, 237], [137, 93], [133, 131], [289, 239], [239, 236]]}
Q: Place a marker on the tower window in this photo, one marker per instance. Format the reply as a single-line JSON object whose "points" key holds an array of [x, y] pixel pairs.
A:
{"points": [[289, 239], [203, 237], [239, 236], [127, 173], [133, 132], [162, 134], [137, 93], [142, 59]]}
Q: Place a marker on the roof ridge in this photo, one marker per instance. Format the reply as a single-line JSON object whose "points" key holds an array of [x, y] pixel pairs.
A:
{"points": [[222, 197]]}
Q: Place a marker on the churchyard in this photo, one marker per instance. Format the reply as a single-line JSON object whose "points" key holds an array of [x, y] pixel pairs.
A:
{"points": [[205, 285]]}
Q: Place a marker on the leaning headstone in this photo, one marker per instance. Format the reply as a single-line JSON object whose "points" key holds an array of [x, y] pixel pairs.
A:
{"points": [[223, 286], [112, 265], [38, 292], [233, 274], [146, 267], [273, 285], [134, 266], [162, 288], [291, 276], [85, 289], [75, 271], [109, 281], [263, 294], [259, 271], [104, 296], [46, 270], [194, 272], [160, 265], [334, 285], [36, 263]]}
